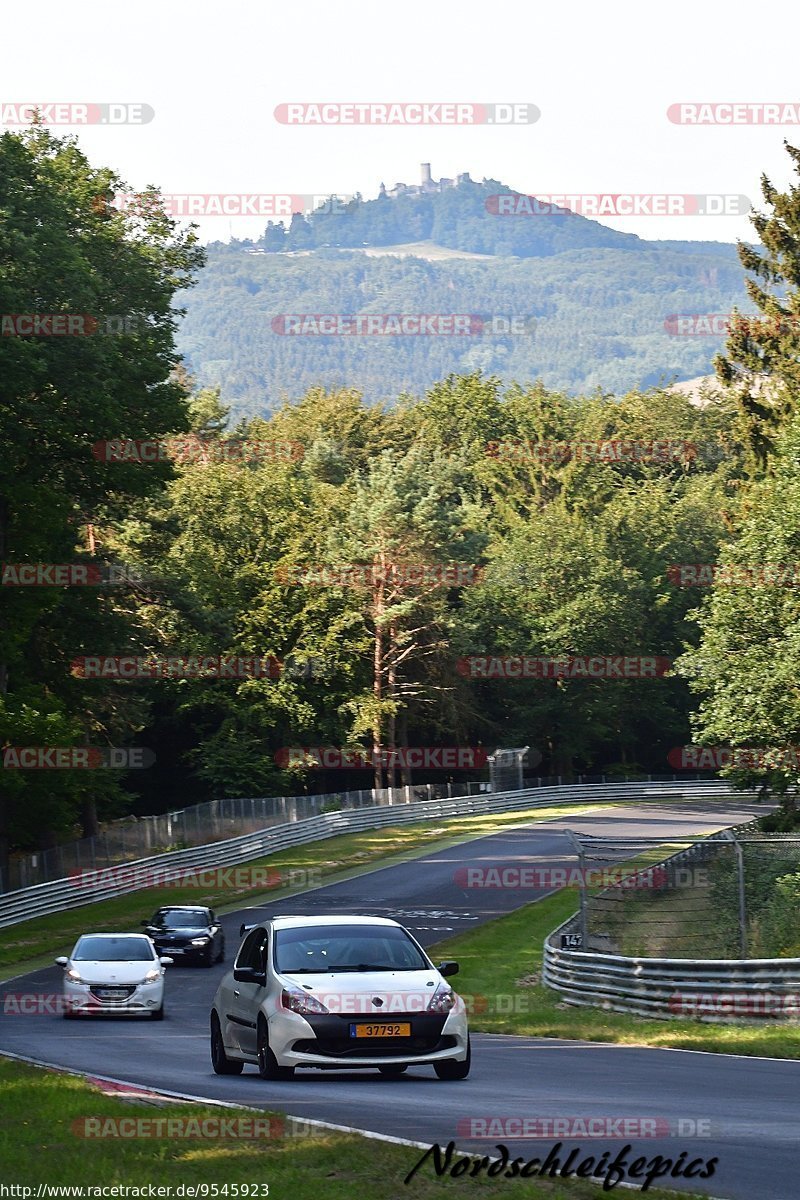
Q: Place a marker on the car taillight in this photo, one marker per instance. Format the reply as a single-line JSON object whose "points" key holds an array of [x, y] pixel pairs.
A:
{"points": [[442, 1000], [301, 1002]]}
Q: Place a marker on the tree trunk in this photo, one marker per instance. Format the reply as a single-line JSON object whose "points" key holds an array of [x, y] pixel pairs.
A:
{"points": [[390, 687], [405, 769], [377, 679], [4, 813]]}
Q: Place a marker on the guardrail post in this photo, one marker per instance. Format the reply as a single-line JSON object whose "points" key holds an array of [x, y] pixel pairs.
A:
{"points": [[742, 897]]}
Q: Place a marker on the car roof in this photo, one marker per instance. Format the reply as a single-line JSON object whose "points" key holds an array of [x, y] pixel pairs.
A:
{"points": [[331, 919], [183, 908], [111, 934]]}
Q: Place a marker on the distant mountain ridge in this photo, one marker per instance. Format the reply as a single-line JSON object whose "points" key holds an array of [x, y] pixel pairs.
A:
{"points": [[460, 214], [596, 301]]}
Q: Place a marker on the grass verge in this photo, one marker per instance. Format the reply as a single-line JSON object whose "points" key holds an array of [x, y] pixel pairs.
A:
{"points": [[501, 965], [24, 946], [42, 1112]]}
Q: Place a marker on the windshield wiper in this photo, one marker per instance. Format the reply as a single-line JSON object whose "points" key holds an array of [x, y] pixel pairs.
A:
{"points": [[365, 967], [303, 970]]}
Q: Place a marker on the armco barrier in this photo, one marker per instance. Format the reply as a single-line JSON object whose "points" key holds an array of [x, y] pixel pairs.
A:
{"points": [[45, 898], [672, 988], [708, 989]]}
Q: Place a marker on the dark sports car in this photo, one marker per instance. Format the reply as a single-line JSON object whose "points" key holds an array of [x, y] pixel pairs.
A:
{"points": [[186, 932]]}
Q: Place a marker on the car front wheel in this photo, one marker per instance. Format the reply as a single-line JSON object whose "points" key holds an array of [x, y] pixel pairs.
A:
{"points": [[452, 1070], [268, 1067], [219, 1060]]}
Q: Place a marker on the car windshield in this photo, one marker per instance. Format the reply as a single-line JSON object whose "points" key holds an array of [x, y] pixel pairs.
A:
{"points": [[173, 918], [113, 949], [311, 949]]}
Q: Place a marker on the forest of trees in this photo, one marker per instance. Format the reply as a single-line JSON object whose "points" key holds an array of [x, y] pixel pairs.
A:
{"points": [[596, 317], [223, 539]]}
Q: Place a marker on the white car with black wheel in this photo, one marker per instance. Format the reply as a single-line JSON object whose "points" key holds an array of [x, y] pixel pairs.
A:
{"points": [[114, 973], [337, 993]]}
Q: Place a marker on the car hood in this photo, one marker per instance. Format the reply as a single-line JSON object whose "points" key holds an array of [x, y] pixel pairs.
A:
{"points": [[112, 972], [182, 931], [354, 992]]}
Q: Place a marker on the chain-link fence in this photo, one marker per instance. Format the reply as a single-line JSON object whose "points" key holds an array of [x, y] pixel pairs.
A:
{"points": [[138, 837], [733, 895], [133, 838]]}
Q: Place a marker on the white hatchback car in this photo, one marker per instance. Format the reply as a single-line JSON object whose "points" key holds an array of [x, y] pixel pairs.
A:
{"points": [[114, 973], [337, 993]]}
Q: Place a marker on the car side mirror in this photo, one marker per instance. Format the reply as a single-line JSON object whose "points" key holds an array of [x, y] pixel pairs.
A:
{"points": [[145, 923], [243, 929], [61, 960], [166, 962], [448, 968], [249, 975]]}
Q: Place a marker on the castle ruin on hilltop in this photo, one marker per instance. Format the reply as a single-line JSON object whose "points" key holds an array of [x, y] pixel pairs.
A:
{"points": [[425, 187]]}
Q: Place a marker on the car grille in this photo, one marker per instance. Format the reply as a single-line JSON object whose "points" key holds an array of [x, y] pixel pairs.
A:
{"points": [[111, 995], [336, 1047]]}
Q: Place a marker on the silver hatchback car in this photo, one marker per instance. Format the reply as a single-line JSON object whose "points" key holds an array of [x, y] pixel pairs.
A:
{"points": [[337, 992], [117, 973]]}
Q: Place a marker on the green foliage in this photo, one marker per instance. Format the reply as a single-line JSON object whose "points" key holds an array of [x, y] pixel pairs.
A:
{"points": [[597, 314], [762, 356], [64, 251]]}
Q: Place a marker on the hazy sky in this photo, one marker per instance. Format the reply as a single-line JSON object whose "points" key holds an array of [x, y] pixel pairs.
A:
{"points": [[602, 75]]}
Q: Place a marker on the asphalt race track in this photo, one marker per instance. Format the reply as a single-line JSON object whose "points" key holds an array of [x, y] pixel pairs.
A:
{"points": [[748, 1109]]}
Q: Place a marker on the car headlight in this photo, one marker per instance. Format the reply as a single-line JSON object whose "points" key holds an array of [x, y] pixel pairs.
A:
{"points": [[301, 1002], [152, 976], [74, 975], [200, 941], [442, 1000]]}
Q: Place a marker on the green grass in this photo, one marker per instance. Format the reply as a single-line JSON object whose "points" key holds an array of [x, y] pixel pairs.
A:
{"points": [[35, 942], [501, 964], [39, 1145]]}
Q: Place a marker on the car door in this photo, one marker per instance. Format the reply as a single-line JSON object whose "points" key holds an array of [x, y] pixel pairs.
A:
{"points": [[246, 995], [215, 930]]}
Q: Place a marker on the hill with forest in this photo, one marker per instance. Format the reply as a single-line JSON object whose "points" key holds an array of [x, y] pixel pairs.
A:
{"points": [[594, 307]]}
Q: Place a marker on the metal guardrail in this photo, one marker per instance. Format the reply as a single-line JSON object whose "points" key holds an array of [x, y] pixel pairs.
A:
{"points": [[672, 988], [711, 989], [45, 898]]}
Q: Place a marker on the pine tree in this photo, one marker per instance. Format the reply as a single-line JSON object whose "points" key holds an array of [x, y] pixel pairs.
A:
{"points": [[762, 359]]}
